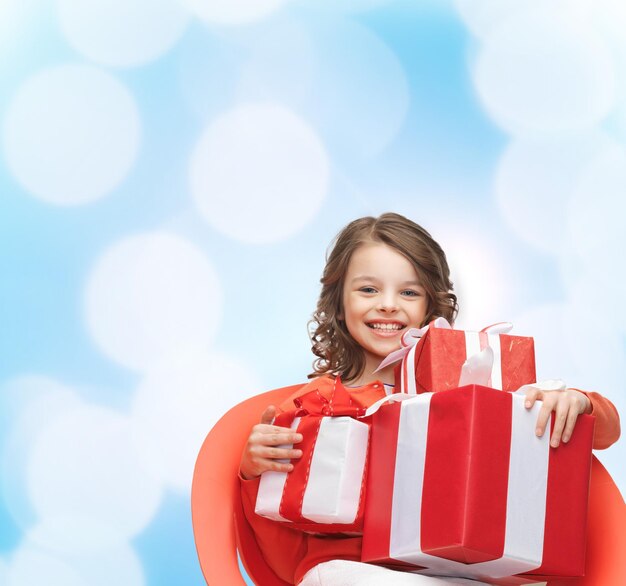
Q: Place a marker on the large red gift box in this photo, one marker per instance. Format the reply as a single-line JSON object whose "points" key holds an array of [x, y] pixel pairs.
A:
{"points": [[460, 484], [324, 491], [435, 362]]}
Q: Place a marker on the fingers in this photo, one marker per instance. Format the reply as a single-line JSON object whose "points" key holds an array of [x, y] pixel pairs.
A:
{"points": [[269, 447], [544, 416], [566, 407], [532, 394], [274, 434], [560, 419], [271, 453], [268, 415], [572, 417]]}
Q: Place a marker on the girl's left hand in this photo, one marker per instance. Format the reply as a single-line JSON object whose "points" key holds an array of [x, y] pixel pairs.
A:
{"points": [[567, 406]]}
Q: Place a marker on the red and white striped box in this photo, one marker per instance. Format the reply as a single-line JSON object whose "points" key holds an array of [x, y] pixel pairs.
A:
{"points": [[460, 485], [324, 491], [436, 361]]}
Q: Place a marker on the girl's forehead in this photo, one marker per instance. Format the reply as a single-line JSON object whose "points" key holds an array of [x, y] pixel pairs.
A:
{"points": [[377, 258]]}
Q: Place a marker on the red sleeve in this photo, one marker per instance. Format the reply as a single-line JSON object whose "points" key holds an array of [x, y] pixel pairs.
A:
{"points": [[282, 548], [607, 429]]}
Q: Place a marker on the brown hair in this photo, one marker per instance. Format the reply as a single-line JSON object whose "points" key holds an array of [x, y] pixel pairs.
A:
{"points": [[337, 352]]}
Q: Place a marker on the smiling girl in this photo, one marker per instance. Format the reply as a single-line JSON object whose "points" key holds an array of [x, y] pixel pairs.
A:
{"points": [[382, 276]]}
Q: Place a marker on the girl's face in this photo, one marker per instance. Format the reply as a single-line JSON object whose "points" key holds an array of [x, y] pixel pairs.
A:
{"points": [[382, 298]]}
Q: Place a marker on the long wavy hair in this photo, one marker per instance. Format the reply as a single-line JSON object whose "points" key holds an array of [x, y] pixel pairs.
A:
{"points": [[336, 351]]}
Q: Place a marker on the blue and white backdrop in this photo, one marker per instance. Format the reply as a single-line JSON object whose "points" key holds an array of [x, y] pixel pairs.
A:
{"points": [[172, 172]]}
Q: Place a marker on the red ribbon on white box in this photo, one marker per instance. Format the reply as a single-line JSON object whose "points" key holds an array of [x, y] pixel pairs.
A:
{"points": [[526, 497]]}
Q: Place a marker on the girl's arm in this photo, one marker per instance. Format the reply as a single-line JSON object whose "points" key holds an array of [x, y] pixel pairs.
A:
{"points": [[607, 429], [281, 547]]}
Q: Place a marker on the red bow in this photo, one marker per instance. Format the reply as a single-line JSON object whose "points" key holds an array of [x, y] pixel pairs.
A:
{"points": [[314, 403]]}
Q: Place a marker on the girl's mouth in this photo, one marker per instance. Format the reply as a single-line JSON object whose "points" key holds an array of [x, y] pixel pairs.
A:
{"points": [[386, 328]]}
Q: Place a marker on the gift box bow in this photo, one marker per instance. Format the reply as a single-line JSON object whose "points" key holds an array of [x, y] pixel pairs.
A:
{"points": [[339, 404]]}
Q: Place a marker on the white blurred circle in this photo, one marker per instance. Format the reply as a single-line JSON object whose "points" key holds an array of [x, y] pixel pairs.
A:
{"points": [[595, 341], [31, 566], [361, 96], [177, 404], [259, 173], [546, 324], [4, 572], [575, 343], [69, 532], [34, 565], [82, 467], [120, 33], [150, 296], [483, 16], [71, 134], [233, 12], [596, 217], [29, 402], [545, 72], [535, 180], [117, 565], [348, 6], [284, 70], [479, 278], [609, 18]]}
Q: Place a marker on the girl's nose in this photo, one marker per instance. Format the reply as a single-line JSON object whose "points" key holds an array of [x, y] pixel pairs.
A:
{"points": [[388, 303]]}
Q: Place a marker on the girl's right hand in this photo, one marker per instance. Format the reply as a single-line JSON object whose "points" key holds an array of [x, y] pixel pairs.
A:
{"points": [[261, 452]]}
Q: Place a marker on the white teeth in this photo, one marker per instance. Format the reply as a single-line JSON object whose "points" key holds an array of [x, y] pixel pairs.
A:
{"points": [[389, 327]]}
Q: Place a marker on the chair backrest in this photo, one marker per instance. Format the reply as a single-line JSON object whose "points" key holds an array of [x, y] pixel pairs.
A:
{"points": [[215, 498]]}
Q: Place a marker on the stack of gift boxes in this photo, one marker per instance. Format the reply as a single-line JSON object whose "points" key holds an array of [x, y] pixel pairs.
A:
{"points": [[440, 478]]}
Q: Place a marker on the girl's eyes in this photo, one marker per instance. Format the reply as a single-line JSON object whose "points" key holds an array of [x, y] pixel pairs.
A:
{"points": [[406, 292]]}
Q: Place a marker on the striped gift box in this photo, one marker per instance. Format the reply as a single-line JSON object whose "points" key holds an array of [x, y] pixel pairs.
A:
{"points": [[459, 484], [324, 491]]}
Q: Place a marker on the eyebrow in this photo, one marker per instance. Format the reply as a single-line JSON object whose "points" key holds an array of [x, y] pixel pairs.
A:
{"points": [[369, 278]]}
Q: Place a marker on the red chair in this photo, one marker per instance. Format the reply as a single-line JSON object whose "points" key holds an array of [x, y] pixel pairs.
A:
{"points": [[220, 528]]}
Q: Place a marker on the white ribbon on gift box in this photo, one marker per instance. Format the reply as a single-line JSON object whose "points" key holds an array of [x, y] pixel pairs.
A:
{"points": [[332, 494], [485, 365], [526, 498]]}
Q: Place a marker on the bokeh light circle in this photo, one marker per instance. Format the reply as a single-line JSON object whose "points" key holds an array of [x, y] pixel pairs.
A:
{"points": [[562, 81], [28, 402], [150, 296], [483, 16], [71, 134], [596, 216], [376, 89], [81, 467], [233, 12], [178, 403], [120, 33], [34, 566], [259, 173], [535, 181]]}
